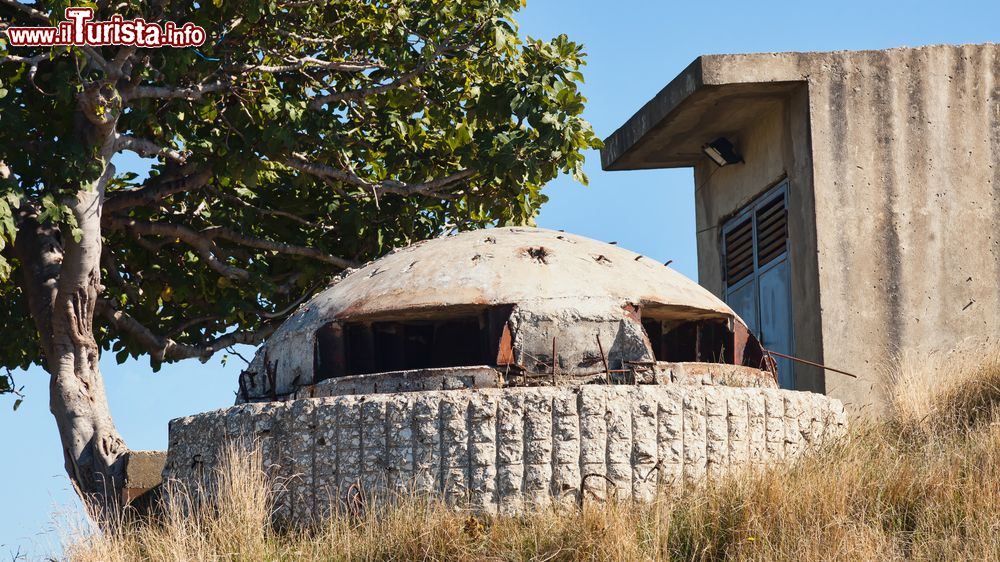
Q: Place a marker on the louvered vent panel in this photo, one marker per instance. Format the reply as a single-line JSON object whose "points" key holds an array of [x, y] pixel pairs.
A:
{"points": [[772, 231], [739, 252]]}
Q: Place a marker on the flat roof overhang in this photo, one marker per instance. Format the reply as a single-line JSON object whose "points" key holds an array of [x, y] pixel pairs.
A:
{"points": [[696, 107]]}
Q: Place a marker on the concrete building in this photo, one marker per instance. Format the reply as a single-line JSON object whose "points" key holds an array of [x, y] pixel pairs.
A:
{"points": [[503, 369], [860, 215], [490, 310]]}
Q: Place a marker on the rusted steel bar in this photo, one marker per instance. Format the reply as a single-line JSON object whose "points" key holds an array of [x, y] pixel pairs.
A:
{"points": [[807, 362], [555, 361], [604, 359]]}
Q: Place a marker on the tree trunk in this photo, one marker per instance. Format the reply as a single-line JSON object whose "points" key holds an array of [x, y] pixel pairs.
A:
{"points": [[93, 449], [61, 278]]}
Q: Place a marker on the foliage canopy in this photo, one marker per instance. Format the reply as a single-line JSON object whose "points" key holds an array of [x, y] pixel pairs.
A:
{"points": [[302, 138]]}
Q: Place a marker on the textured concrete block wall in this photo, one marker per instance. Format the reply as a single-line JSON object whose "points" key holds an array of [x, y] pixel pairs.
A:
{"points": [[506, 449]]}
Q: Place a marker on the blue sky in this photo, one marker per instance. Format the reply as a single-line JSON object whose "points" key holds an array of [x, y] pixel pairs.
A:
{"points": [[635, 47]]}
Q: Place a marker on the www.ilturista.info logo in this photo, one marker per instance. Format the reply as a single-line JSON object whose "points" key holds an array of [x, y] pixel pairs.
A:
{"points": [[79, 29]]}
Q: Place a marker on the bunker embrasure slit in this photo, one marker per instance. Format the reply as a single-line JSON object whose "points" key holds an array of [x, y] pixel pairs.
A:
{"points": [[431, 340]]}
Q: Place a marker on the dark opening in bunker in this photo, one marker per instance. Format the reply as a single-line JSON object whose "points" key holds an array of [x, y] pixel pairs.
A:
{"points": [[435, 339], [676, 341]]}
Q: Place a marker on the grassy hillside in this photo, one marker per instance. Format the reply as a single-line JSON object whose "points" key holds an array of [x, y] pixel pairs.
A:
{"points": [[921, 483]]}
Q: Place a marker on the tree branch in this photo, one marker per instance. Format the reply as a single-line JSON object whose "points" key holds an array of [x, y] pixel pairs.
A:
{"points": [[190, 93], [273, 212], [146, 147], [26, 9], [280, 247], [109, 263], [191, 324], [33, 61], [361, 93], [400, 81], [301, 3], [97, 58], [166, 349], [121, 59], [430, 189], [204, 245], [39, 248], [307, 39], [284, 311], [156, 189], [305, 62]]}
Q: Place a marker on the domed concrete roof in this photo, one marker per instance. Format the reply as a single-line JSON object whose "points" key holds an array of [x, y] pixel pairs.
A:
{"points": [[551, 286], [509, 265]]}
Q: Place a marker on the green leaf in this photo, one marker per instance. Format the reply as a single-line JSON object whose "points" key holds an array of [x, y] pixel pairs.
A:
{"points": [[506, 106]]}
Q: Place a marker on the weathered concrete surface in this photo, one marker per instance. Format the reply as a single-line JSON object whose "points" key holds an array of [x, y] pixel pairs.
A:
{"points": [[507, 449], [143, 472], [773, 149], [560, 287], [713, 374], [454, 378], [445, 378], [893, 159]]}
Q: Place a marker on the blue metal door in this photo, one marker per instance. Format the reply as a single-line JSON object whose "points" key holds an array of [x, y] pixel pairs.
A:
{"points": [[757, 275]]}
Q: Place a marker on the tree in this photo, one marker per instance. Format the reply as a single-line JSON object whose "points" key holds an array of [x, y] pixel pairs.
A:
{"points": [[302, 138]]}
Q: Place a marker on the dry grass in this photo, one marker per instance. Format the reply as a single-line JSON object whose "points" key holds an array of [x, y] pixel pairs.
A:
{"points": [[923, 483]]}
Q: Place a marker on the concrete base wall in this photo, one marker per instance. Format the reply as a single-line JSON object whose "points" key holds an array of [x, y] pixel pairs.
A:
{"points": [[506, 449], [143, 472]]}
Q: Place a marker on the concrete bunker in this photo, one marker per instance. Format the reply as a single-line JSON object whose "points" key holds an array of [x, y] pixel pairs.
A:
{"points": [[518, 326], [446, 338], [503, 369]]}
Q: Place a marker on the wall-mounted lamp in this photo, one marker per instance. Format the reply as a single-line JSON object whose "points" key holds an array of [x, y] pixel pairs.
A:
{"points": [[722, 152]]}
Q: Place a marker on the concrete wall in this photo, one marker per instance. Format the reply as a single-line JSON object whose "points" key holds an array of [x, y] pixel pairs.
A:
{"points": [[775, 146], [905, 164], [504, 450]]}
